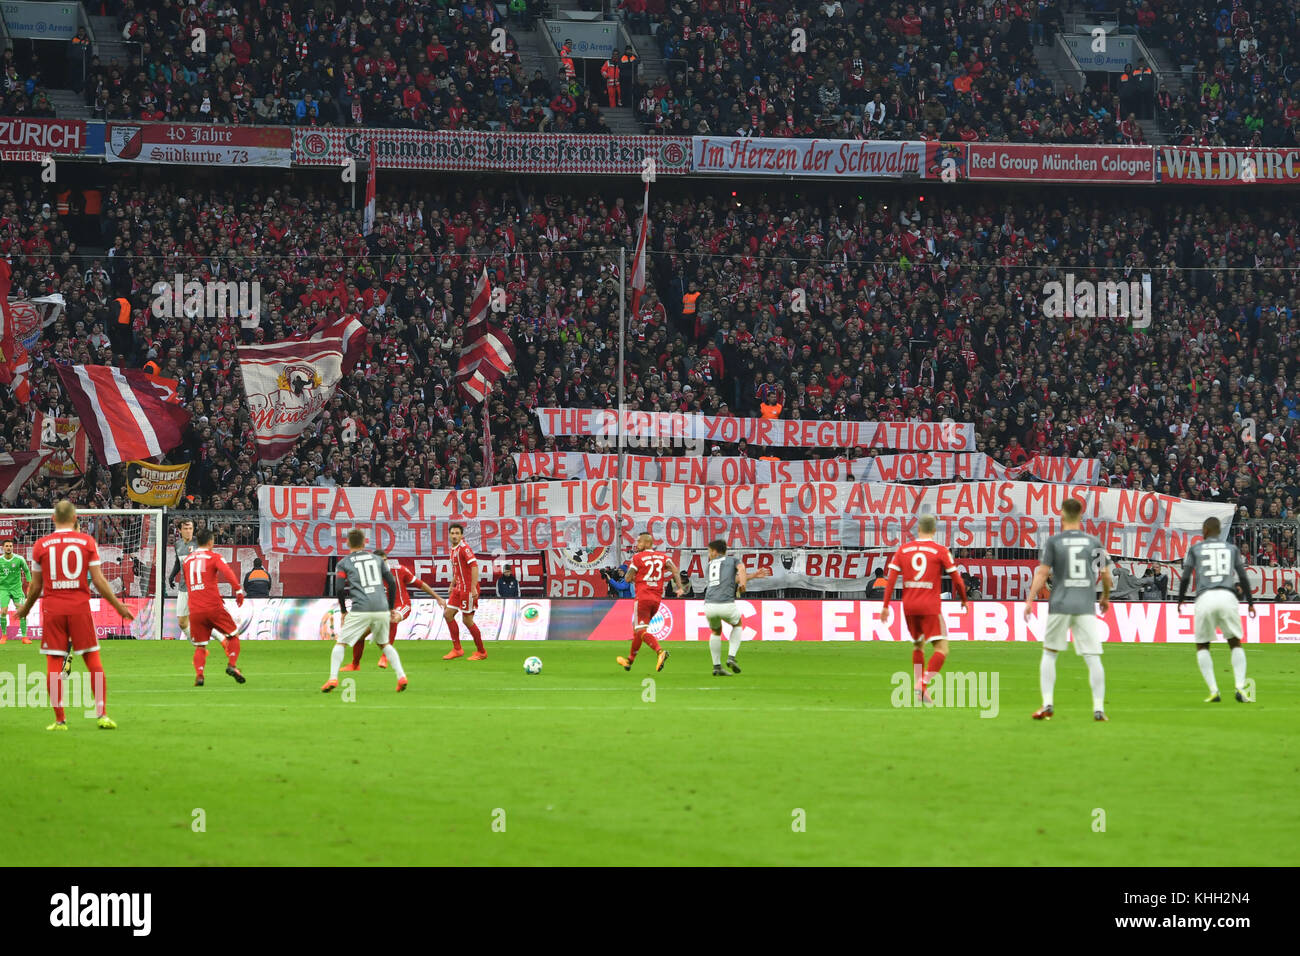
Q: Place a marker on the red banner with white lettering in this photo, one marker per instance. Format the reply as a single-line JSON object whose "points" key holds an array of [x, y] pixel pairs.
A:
{"points": [[1061, 164], [199, 145], [1124, 622]]}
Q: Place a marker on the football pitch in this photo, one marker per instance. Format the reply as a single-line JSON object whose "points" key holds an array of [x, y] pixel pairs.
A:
{"points": [[802, 759]]}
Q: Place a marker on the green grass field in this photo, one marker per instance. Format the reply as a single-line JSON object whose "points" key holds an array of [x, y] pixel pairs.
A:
{"points": [[711, 772]]}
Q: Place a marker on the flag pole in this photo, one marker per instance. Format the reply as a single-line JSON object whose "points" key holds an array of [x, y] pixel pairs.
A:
{"points": [[622, 398]]}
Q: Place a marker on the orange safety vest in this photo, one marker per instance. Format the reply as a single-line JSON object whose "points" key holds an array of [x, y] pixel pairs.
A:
{"points": [[610, 72], [94, 202], [123, 311], [688, 303], [771, 411], [152, 368], [61, 201]]}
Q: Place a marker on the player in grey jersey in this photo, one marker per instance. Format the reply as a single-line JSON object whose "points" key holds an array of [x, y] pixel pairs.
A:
{"points": [[725, 580], [1074, 559], [184, 546], [1218, 566], [366, 579]]}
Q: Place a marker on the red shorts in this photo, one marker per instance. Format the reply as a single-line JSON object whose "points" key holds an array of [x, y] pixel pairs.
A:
{"points": [[60, 630], [928, 626], [646, 609], [392, 628], [461, 601], [203, 623]]}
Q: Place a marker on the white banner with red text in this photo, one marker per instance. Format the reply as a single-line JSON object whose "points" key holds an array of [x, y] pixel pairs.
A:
{"points": [[487, 150], [539, 516], [199, 145], [662, 429], [846, 158], [1126, 623], [728, 470], [1264, 581]]}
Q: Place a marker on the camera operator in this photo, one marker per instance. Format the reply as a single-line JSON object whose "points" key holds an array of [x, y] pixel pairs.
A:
{"points": [[618, 588]]}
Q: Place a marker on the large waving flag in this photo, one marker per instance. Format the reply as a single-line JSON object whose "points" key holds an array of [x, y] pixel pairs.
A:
{"points": [[638, 260], [488, 352], [16, 468], [123, 412], [347, 328], [288, 385]]}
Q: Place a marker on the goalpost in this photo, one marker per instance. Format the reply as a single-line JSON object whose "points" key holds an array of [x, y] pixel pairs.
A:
{"points": [[132, 553]]}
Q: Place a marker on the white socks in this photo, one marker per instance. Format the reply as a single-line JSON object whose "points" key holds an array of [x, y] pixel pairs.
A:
{"points": [[715, 648], [336, 661], [734, 636], [1206, 663], [395, 662], [1047, 676], [1097, 678], [1238, 658]]}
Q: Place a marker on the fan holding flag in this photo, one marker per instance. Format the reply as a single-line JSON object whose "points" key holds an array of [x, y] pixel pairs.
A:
{"points": [[488, 352]]}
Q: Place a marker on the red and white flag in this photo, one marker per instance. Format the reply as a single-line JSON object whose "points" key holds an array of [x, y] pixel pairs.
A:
{"points": [[14, 363], [66, 439], [369, 226], [638, 260], [488, 352], [489, 460], [347, 328], [16, 468], [123, 412], [288, 385]]}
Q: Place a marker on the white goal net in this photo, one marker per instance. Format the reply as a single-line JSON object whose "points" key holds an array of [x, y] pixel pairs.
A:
{"points": [[130, 549]]}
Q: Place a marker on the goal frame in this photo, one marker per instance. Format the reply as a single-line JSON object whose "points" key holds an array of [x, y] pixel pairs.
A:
{"points": [[159, 547]]}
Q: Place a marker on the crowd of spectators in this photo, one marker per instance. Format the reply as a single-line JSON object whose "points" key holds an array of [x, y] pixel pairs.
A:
{"points": [[22, 91], [1242, 86], [916, 310], [415, 66], [855, 70]]}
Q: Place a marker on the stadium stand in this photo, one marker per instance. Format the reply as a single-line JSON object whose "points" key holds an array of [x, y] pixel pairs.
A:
{"points": [[916, 310]]}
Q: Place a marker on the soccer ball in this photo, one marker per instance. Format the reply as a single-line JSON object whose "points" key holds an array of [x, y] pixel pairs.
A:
{"points": [[533, 665]]}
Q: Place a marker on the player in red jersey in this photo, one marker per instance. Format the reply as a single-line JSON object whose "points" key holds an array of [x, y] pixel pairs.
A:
{"points": [[202, 568], [463, 599], [922, 564], [648, 571], [402, 605], [61, 561]]}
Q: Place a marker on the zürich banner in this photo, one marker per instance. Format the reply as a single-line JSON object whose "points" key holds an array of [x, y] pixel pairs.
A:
{"points": [[413, 522]]}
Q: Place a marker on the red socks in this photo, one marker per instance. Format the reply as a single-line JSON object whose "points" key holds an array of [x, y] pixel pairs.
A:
{"points": [[58, 686], [478, 638], [54, 683], [454, 630], [936, 662], [358, 649], [636, 646], [652, 643], [918, 663], [96, 668], [232, 650], [200, 658]]}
